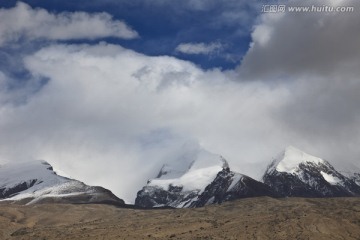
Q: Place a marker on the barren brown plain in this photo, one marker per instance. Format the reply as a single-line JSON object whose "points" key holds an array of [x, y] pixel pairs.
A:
{"points": [[252, 218]]}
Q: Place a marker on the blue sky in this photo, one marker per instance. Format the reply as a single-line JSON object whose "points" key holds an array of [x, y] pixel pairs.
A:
{"points": [[163, 25]]}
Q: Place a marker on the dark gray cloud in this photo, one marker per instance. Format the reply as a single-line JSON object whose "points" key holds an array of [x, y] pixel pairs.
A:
{"points": [[317, 58], [324, 114], [303, 43]]}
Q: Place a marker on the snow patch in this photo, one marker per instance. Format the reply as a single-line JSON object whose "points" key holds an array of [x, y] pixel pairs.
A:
{"points": [[236, 178], [192, 159], [330, 178], [194, 179], [193, 170]]}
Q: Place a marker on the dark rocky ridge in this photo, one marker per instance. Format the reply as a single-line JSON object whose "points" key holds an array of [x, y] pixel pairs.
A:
{"points": [[8, 192], [152, 196], [243, 187], [308, 181], [226, 186]]}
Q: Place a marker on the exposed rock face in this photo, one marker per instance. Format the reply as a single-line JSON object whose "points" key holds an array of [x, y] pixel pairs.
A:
{"points": [[297, 174], [6, 192], [293, 174], [229, 186], [36, 182], [207, 180], [152, 196], [356, 178], [180, 183]]}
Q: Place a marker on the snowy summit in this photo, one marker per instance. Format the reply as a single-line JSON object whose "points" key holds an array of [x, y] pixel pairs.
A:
{"points": [[292, 157], [296, 173], [198, 174], [36, 182], [196, 179]]}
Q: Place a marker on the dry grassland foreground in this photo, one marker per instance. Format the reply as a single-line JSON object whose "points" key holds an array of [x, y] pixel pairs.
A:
{"points": [[252, 218]]}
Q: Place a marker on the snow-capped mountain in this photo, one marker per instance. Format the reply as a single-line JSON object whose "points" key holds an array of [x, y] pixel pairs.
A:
{"points": [[179, 183], [36, 182], [296, 173], [206, 179], [229, 185]]}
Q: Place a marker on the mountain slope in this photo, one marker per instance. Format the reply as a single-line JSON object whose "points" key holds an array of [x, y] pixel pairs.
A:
{"points": [[36, 182], [351, 171], [356, 178], [229, 185], [295, 173], [179, 183], [206, 180]]}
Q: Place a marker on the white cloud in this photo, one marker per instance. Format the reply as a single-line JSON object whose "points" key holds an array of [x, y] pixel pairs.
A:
{"points": [[199, 48], [23, 22], [110, 116]]}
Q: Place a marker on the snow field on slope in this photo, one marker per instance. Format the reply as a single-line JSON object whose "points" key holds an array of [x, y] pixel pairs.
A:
{"points": [[292, 158]]}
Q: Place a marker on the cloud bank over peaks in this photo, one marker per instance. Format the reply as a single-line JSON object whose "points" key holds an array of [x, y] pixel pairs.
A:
{"points": [[109, 109], [25, 23], [107, 114], [317, 58]]}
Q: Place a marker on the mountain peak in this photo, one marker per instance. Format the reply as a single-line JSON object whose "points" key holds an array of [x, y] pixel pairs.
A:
{"points": [[296, 173], [35, 181], [201, 178], [182, 179], [196, 176], [290, 159]]}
